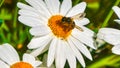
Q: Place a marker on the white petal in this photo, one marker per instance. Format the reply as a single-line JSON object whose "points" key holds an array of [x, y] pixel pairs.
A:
{"points": [[41, 49], [51, 52], [87, 31], [46, 48], [53, 6], [39, 41], [28, 13], [82, 48], [40, 31], [30, 21], [65, 7], [117, 20], [24, 6], [84, 39], [40, 6], [109, 31], [116, 49], [3, 65], [29, 59], [79, 8], [116, 10], [112, 39], [37, 63], [100, 36], [60, 55], [36, 3], [84, 21], [77, 53], [8, 54], [103, 32], [70, 56]]}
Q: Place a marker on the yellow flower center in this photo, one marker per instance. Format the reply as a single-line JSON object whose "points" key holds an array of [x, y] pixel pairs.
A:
{"points": [[21, 65], [61, 26]]}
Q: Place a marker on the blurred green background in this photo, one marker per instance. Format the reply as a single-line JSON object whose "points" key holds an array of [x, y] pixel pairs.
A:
{"points": [[99, 13]]}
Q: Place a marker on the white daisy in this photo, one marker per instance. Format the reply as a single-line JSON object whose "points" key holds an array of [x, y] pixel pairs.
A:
{"points": [[111, 36], [54, 29], [116, 9], [9, 58]]}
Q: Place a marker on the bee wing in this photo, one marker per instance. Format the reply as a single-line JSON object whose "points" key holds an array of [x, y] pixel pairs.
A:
{"points": [[79, 16]]}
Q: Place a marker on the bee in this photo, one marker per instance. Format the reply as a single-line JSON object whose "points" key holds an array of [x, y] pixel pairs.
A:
{"points": [[68, 21]]}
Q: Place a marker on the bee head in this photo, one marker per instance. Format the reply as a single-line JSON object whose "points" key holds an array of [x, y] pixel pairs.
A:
{"points": [[66, 20]]}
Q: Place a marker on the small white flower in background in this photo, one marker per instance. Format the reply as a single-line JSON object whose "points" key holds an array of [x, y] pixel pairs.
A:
{"points": [[111, 36], [55, 28], [9, 58], [116, 9]]}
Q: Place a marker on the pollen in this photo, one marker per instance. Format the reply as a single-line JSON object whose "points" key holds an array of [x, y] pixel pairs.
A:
{"points": [[59, 28], [21, 65]]}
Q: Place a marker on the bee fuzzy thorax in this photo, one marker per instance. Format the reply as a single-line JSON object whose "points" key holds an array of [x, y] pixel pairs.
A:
{"points": [[67, 23]]}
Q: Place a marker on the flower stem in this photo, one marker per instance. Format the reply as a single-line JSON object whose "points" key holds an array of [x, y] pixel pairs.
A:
{"points": [[1, 2], [15, 23], [105, 23]]}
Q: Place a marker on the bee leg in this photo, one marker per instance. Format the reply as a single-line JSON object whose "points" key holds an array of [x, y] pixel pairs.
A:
{"points": [[77, 27]]}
